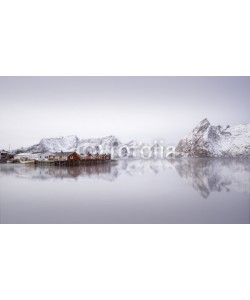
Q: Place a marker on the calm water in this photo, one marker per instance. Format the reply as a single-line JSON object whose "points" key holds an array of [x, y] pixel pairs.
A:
{"points": [[133, 191]]}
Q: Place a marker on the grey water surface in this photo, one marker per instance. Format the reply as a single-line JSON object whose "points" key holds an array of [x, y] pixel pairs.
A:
{"points": [[128, 191]]}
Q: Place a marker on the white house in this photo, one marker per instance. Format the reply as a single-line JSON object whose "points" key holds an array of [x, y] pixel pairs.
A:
{"points": [[43, 156]]}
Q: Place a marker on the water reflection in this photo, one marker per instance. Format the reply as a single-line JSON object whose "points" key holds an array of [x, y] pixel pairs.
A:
{"points": [[128, 191], [101, 170], [204, 175], [209, 175]]}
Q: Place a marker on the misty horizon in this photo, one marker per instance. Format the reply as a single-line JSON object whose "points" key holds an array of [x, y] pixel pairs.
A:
{"points": [[143, 109]]}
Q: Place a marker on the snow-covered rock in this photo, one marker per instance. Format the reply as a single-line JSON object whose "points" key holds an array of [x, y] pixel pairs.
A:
{"points": [[65, 144], [109, 144], [207, 140]]}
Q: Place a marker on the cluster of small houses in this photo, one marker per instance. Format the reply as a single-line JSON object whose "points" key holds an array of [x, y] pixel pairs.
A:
{"points": [[69, 157]]}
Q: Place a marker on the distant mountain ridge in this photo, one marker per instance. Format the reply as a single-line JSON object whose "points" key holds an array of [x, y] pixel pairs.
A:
{"points": [[205, 140], [73, 143], [109, 145]]}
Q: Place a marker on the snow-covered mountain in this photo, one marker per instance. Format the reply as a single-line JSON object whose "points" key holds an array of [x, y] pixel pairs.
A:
{"points": [[207, 140], [69, 143], [109, 144], [73, 143]]}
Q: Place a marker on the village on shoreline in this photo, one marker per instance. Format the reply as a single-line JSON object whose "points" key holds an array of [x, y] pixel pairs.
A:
{"points": [[50, 158]]}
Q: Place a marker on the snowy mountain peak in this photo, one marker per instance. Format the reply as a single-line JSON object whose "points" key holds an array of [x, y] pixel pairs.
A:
{"points": [[67, 143], [205, 122], [207, 140]]}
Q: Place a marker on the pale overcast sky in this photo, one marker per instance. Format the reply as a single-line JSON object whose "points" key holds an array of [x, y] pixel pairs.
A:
{"points": [[140, 108]]}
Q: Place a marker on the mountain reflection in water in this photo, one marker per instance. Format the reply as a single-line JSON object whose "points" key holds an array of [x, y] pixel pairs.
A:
{"points": [[204, 175], [209, 175], [127, 191]]}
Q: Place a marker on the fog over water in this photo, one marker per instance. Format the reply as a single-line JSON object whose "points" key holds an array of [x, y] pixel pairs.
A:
{"points": [[140, 108], [128, 191]]}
